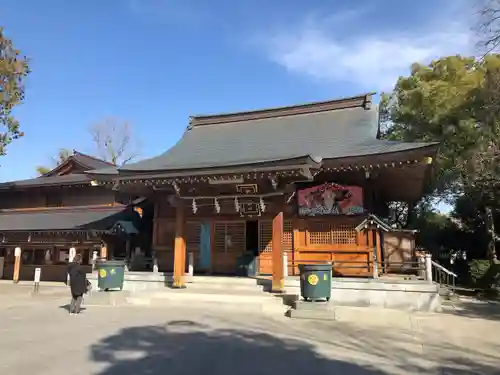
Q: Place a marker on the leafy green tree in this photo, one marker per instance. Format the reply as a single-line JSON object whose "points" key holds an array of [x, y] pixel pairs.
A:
{"points": [[455, 101], [13, 71]]}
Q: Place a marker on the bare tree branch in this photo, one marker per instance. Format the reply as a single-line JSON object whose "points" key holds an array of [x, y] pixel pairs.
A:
{"points": [[114, 141], [489, 25]]}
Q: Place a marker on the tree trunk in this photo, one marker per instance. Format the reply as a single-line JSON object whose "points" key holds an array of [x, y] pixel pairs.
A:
{"points": [[490, 227], [411, 214]]}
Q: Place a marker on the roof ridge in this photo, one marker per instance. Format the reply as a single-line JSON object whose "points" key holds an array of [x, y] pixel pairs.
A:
{"points": [[363, 101], [75, 152]]}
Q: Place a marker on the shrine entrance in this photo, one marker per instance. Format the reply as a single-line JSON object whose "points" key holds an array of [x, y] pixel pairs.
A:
{"points": [[229, 245]]}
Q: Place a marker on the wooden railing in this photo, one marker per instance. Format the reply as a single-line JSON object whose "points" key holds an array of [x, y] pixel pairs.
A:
{"points": [[358, 261]]}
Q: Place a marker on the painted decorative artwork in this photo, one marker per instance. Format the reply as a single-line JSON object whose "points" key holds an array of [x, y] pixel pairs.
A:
{"points": [[330, 199]]}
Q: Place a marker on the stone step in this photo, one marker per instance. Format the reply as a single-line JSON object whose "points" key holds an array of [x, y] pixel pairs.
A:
{"points": [[227, 299], [195, 285]]}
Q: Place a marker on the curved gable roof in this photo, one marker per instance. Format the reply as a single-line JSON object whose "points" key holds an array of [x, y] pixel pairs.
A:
{"points": [[326, 130]]}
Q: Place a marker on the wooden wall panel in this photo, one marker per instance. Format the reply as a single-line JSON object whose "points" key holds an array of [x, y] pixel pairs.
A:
{"points": [[96, 195]]}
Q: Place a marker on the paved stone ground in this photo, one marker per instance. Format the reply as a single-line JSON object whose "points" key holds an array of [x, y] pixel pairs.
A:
{"points": [[39, 337]]}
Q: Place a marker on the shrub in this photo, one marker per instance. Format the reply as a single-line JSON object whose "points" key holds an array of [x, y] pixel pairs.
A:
{"points": [[483, 273]]}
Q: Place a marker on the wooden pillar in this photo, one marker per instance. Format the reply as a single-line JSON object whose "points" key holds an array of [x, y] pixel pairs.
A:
{"points": [[371, 249], [376, 254], [278, 281], [179, 247], [379, 251], [17, 265]]}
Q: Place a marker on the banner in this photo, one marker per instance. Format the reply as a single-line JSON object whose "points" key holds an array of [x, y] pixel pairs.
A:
{"points": [[330, 199]]}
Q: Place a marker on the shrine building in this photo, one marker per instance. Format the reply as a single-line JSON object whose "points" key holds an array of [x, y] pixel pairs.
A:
{"points": [[277, 187]]}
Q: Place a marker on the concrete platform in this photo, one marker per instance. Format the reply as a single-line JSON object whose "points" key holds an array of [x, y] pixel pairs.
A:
{"points": [[407, 295], [142, 281], [312, 310], [389, 293]]}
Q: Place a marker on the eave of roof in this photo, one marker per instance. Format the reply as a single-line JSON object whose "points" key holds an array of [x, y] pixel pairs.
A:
{"points": [[86, 218], [65, 180], [373, 220]]}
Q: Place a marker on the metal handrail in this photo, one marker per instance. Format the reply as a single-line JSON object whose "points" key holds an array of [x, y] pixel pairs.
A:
{"points": [[440, 267], [443, 276]]}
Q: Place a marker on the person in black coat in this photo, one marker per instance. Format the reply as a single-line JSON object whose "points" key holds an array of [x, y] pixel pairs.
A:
{"points": [[78, 284]]}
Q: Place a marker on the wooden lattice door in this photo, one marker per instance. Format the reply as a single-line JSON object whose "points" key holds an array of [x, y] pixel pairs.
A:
{"points": [[229, 244]]}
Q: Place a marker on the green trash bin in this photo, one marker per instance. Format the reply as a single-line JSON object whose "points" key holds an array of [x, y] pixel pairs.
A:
{"points": [[315, 281], [111, 274]]}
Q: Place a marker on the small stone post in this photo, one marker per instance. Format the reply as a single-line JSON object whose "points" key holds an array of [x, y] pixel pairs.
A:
{"points": [[190, 264], [17, 265], [155, 263], [285, 264], [72, 253], [94, 259], [71, 256], [428, 268], [375, 263], [421, 266]]}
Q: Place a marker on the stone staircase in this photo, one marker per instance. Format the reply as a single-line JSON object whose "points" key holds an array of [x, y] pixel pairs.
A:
{"points": [[224, 292]]}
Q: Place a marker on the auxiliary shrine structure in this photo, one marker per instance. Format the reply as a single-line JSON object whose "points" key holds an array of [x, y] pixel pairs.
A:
{"points": [[44, 219], [277, 187]]}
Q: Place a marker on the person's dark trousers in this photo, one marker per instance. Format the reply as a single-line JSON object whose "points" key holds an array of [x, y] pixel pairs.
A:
{"points": [[76, 302]]}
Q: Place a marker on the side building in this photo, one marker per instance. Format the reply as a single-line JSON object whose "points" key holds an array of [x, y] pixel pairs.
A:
{"points": [[44, 219], [279, 187]]}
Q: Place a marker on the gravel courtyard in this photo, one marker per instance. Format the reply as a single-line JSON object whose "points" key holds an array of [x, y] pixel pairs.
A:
{"points": [[39, 337]]}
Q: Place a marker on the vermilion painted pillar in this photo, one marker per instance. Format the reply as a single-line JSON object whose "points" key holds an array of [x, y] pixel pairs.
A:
{"points": [[278, 280], [179, 247]]}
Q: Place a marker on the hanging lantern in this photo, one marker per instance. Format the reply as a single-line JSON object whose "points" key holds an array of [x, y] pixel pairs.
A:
{"points": [[236, 205], [195, 207], [217, 205], [262, 205]]}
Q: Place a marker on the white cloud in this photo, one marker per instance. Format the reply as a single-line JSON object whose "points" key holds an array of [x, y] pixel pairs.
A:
{"points": [[372, 61]]}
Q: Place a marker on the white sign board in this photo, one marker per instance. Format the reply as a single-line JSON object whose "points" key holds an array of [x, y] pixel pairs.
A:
{"points": [[38, 273]]}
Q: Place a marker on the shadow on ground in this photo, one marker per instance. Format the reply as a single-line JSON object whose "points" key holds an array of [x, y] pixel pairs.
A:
{"points": [[187, 347], [66, 307], [478, 309]]}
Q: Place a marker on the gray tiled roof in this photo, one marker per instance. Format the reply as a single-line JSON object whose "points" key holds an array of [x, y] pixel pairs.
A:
{"points": [[64, 219], [69, 179], [328, 135], [90, 162]]}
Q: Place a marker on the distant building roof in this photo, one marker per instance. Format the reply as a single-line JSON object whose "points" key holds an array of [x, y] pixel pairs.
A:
{"points": [[86, 162], [327, 130], [62, 175]]}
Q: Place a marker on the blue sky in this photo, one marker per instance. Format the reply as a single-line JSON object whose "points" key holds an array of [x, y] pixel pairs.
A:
{"points": [[156, 62]]}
